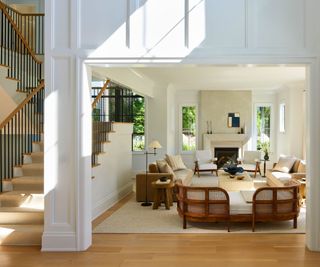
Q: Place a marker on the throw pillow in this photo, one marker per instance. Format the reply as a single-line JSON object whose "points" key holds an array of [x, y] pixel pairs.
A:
{"points": [[168, 169], [284, 164], [302, 167], [175, 162], [161, 165]]}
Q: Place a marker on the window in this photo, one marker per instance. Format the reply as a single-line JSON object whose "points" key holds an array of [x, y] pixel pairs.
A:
{"points": [[121, 104], [263, 127], [282, 113], [188, 128], [138, 137]]}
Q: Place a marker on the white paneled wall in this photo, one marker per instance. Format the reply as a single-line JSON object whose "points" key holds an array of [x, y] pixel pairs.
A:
{"points": [[124, 31]]}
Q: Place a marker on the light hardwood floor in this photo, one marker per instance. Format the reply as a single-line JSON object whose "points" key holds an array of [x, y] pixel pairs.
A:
{"points": [[153, 250]]}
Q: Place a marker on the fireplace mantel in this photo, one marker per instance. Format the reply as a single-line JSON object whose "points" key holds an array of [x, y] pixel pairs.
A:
{"points": [[210, 141]]}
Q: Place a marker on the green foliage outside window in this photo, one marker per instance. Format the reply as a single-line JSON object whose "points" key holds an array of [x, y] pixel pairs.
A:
{"points": [[188, 128], [138, 140], [263, 128]]}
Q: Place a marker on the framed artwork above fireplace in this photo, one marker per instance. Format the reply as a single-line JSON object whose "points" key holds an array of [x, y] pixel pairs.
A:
{"points": [[233, 120]]}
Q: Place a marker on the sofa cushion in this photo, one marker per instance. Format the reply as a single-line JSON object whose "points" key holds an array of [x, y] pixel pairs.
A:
{"points": [[168, 169], [185, 176], [281, 176], [161, 165], [175, 162], [284, 164], [238, 205]]}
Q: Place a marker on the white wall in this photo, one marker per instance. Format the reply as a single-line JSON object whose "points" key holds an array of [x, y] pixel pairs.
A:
{"points": [[215, 106], [7, 105], [112, 179], [292, 141], [156, 127], [156, 32]]}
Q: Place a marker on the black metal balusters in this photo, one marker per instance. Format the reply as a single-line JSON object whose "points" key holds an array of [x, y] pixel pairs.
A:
{"points": [[19, 130]]}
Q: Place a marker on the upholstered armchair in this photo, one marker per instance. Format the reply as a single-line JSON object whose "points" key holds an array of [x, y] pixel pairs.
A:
{"points": [[251, 162], [205, 162]]}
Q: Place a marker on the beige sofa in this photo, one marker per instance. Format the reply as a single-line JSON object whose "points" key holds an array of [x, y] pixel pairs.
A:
{"points": [[279, 178], [183, 175]]}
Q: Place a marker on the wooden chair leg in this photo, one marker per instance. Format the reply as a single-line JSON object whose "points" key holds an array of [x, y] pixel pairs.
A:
{"points": [[295, 223], [217, 172], [253, 225], [184, 222]]}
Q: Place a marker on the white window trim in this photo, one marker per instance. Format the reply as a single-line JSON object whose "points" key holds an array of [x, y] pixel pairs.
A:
{"points": [[192, 104]]}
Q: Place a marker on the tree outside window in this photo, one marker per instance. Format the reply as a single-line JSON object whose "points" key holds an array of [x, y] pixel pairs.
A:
{"points": [[263, 119], [188, 128], [138, 137]]}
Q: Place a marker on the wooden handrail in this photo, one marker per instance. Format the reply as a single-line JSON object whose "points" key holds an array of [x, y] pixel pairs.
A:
{"points": [[18, 12], [24, 41], [22, 104], [100, 94]]}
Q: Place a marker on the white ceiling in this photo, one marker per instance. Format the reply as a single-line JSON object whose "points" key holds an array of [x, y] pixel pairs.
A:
{"points": [[191, 77]]}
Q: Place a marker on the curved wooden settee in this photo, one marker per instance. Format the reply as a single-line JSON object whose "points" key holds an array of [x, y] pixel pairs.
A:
{"points": [[212, 204], [276, 204], [202, 204]]}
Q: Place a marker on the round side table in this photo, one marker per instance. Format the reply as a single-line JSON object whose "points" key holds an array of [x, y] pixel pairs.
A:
{"points": [[163, 193]]}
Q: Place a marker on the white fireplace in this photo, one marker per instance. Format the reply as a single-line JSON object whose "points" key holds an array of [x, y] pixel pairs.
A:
{"points": [[211, 141]]}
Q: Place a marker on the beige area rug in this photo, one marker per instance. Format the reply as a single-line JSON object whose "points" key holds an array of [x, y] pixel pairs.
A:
{"points": [[133, 218]]}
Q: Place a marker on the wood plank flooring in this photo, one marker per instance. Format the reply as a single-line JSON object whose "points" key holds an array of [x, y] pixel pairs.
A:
{"points": [[187, 250], [145, 250]]}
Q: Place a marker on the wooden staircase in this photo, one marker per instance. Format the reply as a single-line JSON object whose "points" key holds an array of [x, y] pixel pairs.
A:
{"points": [[21, 137], [21, 210]]}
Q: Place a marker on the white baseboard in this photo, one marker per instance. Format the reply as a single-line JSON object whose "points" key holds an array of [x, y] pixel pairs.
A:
{"points": [[111, 199], [63, 241]]}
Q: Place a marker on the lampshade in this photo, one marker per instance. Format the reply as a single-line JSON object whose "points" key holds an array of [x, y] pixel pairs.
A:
{"points": [[155, 144]]}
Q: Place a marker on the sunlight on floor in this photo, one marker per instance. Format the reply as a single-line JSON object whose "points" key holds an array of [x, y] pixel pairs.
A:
{"points": [[34, 201], [4, 232]]}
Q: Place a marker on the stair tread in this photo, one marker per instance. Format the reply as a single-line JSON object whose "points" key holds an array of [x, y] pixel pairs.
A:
{"points": [[20, 209], [19, 193]]}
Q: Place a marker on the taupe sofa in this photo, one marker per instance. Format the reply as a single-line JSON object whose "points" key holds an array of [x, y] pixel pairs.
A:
{"points": [[278, 178], [184, 176]]}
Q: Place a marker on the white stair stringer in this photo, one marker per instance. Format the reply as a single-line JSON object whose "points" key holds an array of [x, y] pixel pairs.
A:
{"points": [[21, 210]]}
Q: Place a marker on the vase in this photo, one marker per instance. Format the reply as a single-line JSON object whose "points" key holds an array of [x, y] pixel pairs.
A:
{"points": [[266, 156]]}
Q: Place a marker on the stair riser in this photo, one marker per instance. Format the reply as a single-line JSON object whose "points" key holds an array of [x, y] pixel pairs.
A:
{"points": [[20, 171], [10, 203], [36, 187], [37, 147], [27, 159], [17, 238], [21, 218]]}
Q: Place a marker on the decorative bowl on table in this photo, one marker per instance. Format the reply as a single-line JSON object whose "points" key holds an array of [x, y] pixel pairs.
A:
{"points": [[233, 169], [163, 179]]}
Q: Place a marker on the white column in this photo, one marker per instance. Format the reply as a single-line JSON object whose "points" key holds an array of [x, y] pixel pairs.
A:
{"points": [[67, 180], [313, 159]]}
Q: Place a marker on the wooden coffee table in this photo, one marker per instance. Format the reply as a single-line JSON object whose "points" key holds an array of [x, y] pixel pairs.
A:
{"points": [[234, 184]]}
